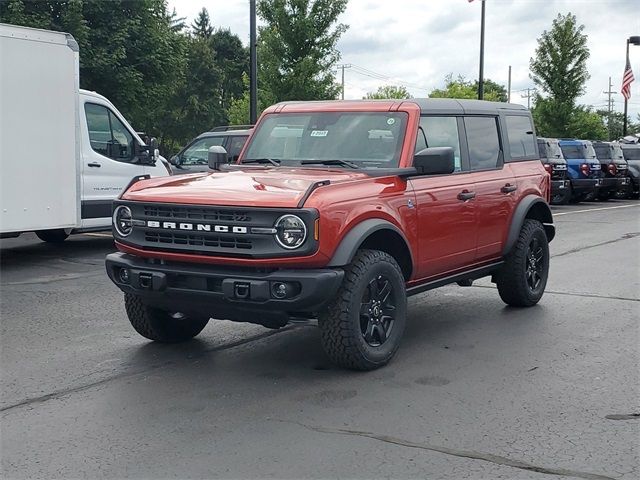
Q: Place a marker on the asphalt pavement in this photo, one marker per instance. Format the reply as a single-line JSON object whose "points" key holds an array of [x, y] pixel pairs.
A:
{"points": [[477, 390]]}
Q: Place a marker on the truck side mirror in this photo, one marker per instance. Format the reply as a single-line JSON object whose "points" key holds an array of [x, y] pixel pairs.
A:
{"points": [[217, 156], [434, 161], [175, 160]]}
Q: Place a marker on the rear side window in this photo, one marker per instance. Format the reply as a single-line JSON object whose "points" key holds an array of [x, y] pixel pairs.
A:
{"points": [[107, 134], [484, 142], [440, 132], [520, 133]]}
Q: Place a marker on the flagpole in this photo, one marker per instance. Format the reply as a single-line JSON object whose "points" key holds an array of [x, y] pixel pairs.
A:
{"points": [[624, 120], [481, 75]]}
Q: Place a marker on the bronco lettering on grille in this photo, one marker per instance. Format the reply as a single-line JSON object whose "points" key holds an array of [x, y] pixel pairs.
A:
{"points": [[199, 227]]}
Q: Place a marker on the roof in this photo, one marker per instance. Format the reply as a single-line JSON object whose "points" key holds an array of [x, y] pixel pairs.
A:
{"points": [[225, 133]]}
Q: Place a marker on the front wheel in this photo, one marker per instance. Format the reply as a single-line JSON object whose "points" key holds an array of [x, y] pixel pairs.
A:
{"points": [[362, 327], [523, 277], [58, 235], [161, 325]]}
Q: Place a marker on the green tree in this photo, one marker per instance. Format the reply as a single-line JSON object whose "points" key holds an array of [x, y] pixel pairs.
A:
{"points": [[614, 123], [232, 59], [462, 88], [201, 26], [297, 48], [559, 69], [239, 109], [388, 91], [587, 124]]}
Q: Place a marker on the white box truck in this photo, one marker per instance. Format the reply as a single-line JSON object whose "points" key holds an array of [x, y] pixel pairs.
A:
{"points": [[65, 153]]}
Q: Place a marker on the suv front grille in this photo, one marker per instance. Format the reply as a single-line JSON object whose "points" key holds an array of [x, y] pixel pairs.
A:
{"points": [[170, 212], [208, 241]]}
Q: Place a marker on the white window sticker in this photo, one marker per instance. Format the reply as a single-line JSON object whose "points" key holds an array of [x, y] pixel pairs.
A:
{"points": [[319, 133], [391, 121]]}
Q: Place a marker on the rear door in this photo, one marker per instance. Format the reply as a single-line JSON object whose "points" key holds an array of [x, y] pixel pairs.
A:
{"points": [[446, 204]]}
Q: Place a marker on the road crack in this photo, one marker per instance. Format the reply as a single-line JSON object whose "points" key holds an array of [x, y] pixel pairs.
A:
{"points": [[471, 454], [626, 236], [570, 294]]}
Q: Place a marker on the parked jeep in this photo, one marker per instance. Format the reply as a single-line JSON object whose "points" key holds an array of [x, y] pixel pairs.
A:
{"points": [[556, 166], [631, 153], [338, 211], [614, 168], [583, 167], [194, 157]]}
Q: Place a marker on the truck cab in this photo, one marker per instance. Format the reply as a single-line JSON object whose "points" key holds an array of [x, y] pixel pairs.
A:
{"points": [[556, 166], [616, 181], [583, 167]]}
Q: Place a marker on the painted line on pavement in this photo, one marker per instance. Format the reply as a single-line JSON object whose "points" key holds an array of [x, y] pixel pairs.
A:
{"points": [[594, 210]]}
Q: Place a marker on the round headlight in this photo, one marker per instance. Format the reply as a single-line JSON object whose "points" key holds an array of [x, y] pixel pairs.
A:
{"points": [[291, 231], [122, 220]]}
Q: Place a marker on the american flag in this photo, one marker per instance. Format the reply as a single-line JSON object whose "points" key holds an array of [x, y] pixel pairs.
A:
{"points": [[627, 78]]}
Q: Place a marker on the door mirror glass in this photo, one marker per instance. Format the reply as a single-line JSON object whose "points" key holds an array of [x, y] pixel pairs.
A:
{"points": [[175, 160], [434, 161], [217, 157]]}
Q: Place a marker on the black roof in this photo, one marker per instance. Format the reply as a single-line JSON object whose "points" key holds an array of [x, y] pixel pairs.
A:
{"points": [[454, 105]]}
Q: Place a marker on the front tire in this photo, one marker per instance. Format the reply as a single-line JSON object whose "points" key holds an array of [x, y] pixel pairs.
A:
{"points": [[58, 235], [523, 277], [161, 325], [362, 327]]}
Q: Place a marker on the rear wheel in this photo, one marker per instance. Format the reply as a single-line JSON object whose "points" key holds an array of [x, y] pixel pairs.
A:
{"points": [[58, 235], [161, 325], [362, 327], [523, 277]]}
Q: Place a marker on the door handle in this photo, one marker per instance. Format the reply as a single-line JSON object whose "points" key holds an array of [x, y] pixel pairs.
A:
{"points": [[94, 164], [508, 188], [466, 195]]}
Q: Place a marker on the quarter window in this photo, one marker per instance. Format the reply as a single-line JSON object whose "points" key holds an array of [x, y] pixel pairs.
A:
{"points": [[484, 142], [440, 132], [520, 133], [107, 134]]}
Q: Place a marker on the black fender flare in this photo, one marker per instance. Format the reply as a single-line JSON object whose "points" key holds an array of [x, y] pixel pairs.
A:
{"points": [[543, 213], [352, 241]]}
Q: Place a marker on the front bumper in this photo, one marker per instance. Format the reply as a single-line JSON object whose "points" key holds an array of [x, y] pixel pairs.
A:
{"points": [[608, 184], [559, 186], [239, 294], [585, 185]]}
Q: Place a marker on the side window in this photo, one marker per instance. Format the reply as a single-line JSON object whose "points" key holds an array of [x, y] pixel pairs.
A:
{"points": [[235, 146], [441, 132], [484, 142], [198, 152], [107, 134], [520, 133]]}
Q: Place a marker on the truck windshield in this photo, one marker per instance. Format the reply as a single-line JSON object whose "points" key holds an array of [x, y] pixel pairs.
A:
{"points": [[339, 139], [603, 152], [632, 153], [578, 151], [617, 152]]}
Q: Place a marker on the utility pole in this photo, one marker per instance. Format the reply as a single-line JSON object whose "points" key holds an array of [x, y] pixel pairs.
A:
{"points": [[481, 75], [530, 93], [509, 87], [253, 65], [343, 66], [609, 106]]}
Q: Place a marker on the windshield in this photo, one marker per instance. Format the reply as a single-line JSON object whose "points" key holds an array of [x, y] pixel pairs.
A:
{"points": [[578, 151], [631, 153], [617, 152], [603, 152], [368, 140]]}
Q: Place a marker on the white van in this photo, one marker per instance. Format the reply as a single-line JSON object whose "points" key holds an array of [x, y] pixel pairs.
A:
{"points": [[65, 153]]}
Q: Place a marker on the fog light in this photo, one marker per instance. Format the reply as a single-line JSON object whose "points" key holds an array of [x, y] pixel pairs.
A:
{"points": [[279, 290], [124, 275]]}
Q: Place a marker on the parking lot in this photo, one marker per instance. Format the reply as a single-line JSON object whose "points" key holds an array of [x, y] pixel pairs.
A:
{"points": [[477, 390]]}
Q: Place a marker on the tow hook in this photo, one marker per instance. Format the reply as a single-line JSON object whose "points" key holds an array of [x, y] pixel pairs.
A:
{"points": [[241, 290]]}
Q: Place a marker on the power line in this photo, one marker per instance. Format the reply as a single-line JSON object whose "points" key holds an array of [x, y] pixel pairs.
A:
{"points": [[379, 76]]}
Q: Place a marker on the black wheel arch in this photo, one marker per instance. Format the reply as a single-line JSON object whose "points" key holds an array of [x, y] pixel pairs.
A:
{"points": [[375, 234], [533, 207]]}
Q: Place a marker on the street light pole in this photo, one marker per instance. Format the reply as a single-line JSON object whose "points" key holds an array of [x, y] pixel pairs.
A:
{"points": [[481, 75], [253, 65]]}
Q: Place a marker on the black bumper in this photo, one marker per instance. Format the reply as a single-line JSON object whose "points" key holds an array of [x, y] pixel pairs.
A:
{"points": [[584, 185], [608, 184], [245, 295], [559, 186]]}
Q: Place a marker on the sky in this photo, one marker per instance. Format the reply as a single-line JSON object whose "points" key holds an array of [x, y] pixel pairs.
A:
{"points": [[416, 43]]}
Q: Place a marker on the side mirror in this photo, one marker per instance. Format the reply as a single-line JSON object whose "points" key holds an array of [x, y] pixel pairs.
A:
{"points": [[434, 161], [175, 160], [217, 156]]}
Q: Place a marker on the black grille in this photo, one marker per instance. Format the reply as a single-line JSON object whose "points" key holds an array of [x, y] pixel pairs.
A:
{"points": [[194, 213], [213, 241]]}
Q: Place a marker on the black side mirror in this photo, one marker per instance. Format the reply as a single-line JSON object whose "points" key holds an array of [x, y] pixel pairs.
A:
{"points": [[217, 156], [175, 160], [434, 161]]}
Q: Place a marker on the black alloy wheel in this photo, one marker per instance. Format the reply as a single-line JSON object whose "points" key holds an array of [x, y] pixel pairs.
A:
{"points": [[377, 311], [534, 265]]}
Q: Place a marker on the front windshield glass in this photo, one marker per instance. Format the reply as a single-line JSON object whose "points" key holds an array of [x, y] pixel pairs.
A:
{"points": [[631, 153], [554, 150], [366, 139], [616, 152], [573, 151], [590, 152], [603, 152]]}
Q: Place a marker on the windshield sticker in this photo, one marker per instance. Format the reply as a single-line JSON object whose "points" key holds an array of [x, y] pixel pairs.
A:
{"points": [[391, 121], [319, 133]]}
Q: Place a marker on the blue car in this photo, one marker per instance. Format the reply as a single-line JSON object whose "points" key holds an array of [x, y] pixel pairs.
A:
{"points": [[585, 171]]}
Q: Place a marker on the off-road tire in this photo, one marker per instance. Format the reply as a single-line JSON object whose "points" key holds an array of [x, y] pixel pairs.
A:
{"points": [[159, 325], [511, 280], [340, 324], [58, 235]]}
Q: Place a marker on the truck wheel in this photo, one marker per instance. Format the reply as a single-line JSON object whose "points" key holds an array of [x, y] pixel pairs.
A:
{"points": [[523, 277], [562, 197], [58, 235], [362, 327], [161, 325]]}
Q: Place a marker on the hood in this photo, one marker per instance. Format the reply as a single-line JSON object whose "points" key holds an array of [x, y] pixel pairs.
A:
{"points": [[251, 187]]}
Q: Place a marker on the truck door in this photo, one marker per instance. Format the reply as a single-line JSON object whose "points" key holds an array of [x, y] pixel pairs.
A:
{"points": [[108, 162], [446, 204]]}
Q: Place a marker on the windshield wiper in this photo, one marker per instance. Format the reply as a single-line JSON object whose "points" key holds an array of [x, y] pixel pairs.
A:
{"points": [[336, 161], [273, 162]]}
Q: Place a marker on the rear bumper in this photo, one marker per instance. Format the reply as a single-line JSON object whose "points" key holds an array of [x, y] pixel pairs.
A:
{"points": [[245, 295]]}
